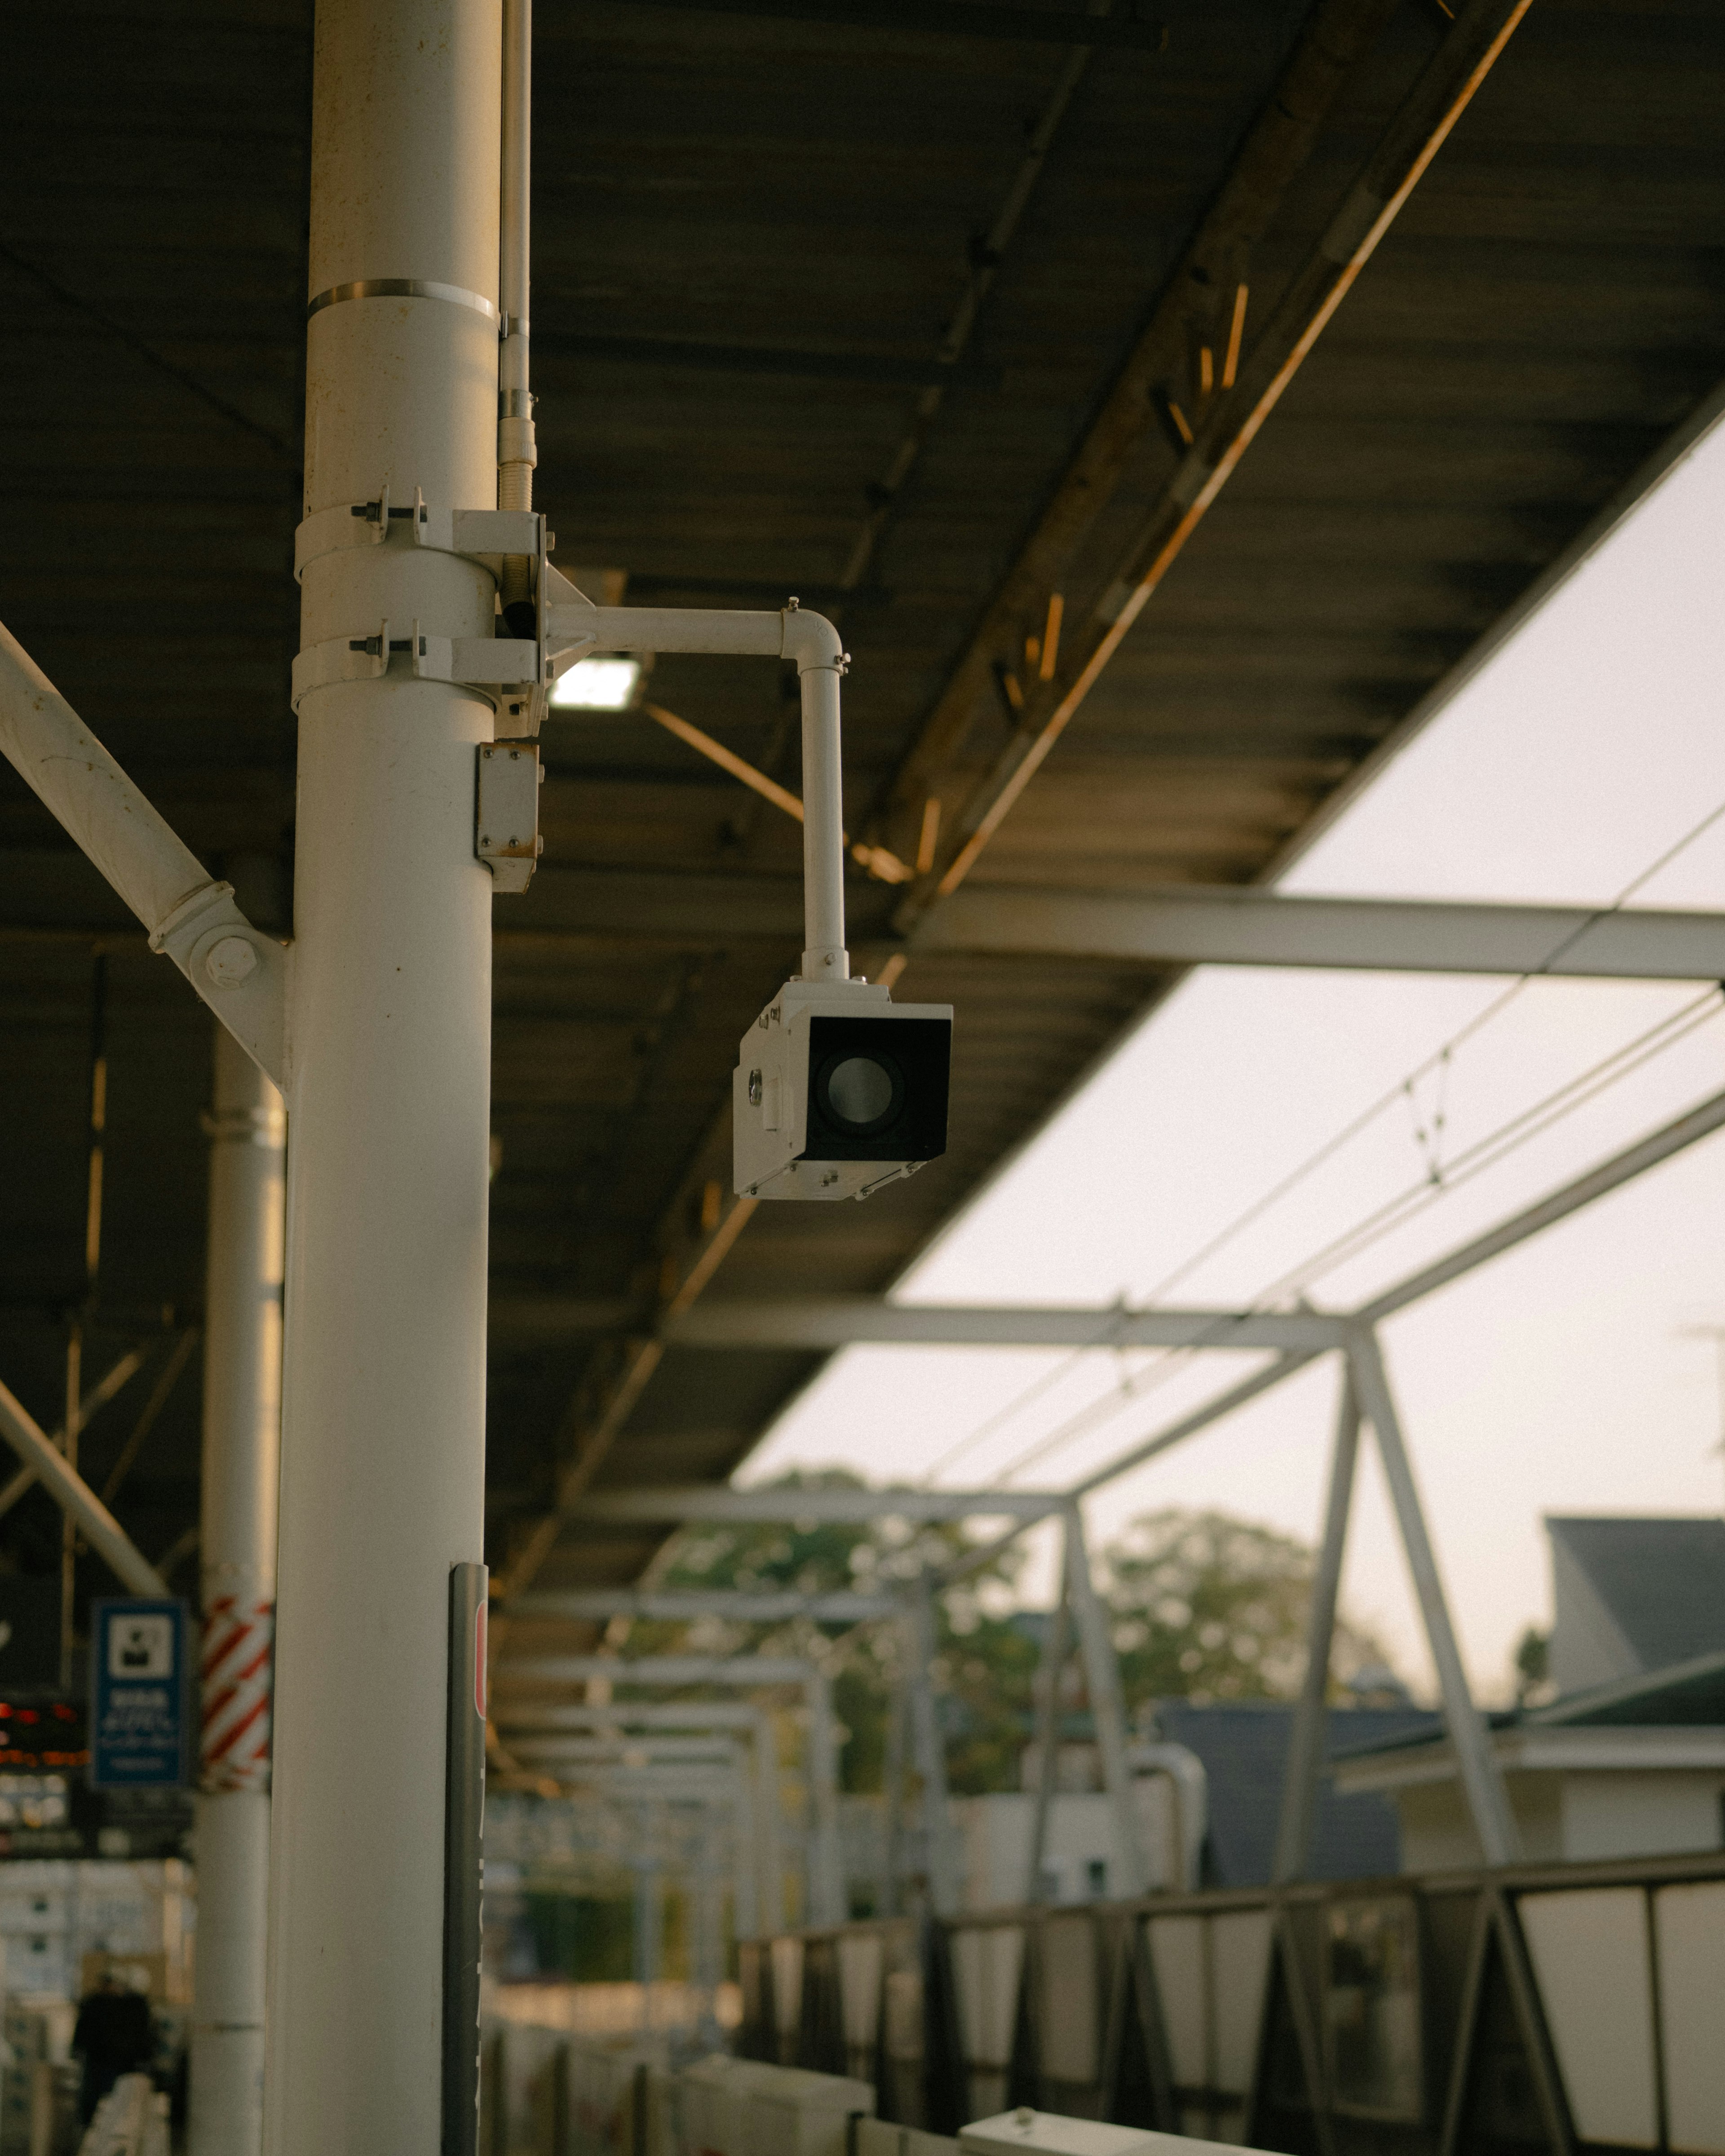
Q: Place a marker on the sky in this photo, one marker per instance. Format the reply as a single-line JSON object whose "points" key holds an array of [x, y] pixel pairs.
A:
{"points": [[1572, 1375]]}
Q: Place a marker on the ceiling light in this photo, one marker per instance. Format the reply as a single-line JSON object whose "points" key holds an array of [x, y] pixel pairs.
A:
{"points": [[597, 685]]}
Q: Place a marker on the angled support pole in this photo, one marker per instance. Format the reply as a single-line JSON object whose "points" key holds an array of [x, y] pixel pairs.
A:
{"points": [[1101, 1679], [1055, 1650], [77, 1500], [1483, 1783], [239, 972], [928, 1750], [1299, 1787]]}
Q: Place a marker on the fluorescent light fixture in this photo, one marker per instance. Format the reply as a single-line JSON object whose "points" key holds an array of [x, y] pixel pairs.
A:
{"points": [[597, 685]]}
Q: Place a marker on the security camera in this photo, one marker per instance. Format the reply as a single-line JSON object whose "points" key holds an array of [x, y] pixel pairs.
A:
{"points": [[838, 1090]]}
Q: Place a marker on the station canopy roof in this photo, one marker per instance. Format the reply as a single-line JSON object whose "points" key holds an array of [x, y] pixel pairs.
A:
{"points": [[929, 315]]}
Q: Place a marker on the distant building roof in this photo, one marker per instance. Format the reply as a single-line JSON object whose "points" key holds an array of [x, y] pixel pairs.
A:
{"points": [[1633, 1596], [1688, 1694], [1244, 1745]]}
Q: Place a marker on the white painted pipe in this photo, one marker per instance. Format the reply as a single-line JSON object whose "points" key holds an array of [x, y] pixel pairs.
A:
{"points": [[242, 1426], [80, 783], [239, 972], [517, 452], [813, 642], [76, 1499], [383, 1391]]}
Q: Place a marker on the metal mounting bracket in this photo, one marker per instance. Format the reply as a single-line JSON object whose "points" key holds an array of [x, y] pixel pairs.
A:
{"points": [[492, 665], [505, 818], [485, 536], [513, 673]]}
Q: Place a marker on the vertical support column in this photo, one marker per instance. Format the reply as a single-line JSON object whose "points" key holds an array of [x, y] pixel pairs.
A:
{"points": [[647, 1915], [1055, 1650], [928, 1749], [1481, 1783], [464, 1856], [826, 1856], [891, 1886], [745, 1897], [388, 1083], [1101, 1680], [242, 1424], [769, 1892], [1299, 1787]]}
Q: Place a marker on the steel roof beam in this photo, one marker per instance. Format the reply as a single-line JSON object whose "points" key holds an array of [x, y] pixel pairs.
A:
{"points": [[1272, 154], [596, 1605], [945, 18], [1187, 925], [1255, 927], [1226, 417], [849, 1321], [839, 1505], [684, 1714]]}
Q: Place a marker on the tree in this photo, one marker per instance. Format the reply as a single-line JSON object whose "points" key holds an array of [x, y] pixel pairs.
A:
{"points": [[1202, 1606], [982, 1665], [1205, 1606]]}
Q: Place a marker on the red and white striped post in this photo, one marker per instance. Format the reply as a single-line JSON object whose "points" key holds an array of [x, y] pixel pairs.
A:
{"points": [[242, 1424]]}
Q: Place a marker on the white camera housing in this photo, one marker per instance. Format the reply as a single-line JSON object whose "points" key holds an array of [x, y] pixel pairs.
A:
{"points": [[838, 1090]]}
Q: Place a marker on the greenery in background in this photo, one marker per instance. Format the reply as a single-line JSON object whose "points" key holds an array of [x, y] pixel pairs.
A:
{"points": [[1208, 1607], [590, 1938], [1202, 1605]]}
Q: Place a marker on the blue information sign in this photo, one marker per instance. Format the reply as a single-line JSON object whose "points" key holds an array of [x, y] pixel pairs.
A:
{"points": [[139, 1696]]}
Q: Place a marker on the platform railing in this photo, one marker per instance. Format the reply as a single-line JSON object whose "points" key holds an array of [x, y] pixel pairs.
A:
{"points": [[1558, 2007]]}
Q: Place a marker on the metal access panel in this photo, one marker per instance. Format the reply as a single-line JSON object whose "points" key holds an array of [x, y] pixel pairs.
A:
{"points": [[506, 812]]}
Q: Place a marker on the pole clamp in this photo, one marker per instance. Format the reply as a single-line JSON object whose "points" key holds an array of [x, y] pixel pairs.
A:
{"points": [[514, 673], [494, 666], [485, 536]]}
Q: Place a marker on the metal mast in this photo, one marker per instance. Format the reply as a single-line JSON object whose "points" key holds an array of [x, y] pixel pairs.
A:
{"points": [[388, 1091], [242, 1426]]}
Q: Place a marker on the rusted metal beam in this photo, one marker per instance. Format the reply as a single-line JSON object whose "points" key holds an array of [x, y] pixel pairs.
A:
{"points": [[1214, 265], [1236, 412]]}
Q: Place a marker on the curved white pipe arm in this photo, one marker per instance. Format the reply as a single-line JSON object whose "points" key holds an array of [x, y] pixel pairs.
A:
{"points": [[574, 626], [239, 972]]}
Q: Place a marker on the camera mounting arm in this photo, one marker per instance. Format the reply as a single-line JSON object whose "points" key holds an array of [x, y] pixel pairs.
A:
{"points": [[574, 626]]}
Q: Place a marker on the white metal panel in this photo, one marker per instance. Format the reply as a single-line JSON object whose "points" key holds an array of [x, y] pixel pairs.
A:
{"points": [[1071, 2005], [987, 1964], [859, 1958], [1177, 1958], [1239, 1960], [787, 1985], [1689, 1928], [1590, 1956]]}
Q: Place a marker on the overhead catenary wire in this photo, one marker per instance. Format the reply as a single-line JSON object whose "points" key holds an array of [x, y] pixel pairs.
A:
{"points": [[1486, 1153], [1439, 1058]]}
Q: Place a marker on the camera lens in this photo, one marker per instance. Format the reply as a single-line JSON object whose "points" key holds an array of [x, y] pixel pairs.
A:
{"points": [[859, 1090]]}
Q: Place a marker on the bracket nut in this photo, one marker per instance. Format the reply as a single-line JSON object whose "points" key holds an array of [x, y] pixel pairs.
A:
{"points": [[231, 962]]}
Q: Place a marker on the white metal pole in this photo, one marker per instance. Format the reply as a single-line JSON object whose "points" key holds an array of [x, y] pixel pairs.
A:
{"points": [[928, 1746], [824, 958], [1056, 1649], [1482, 1782], [242, 1426], [516, 453], [1299, 1784], [388, 1089], [1101, 1677], [826, 1856]]}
